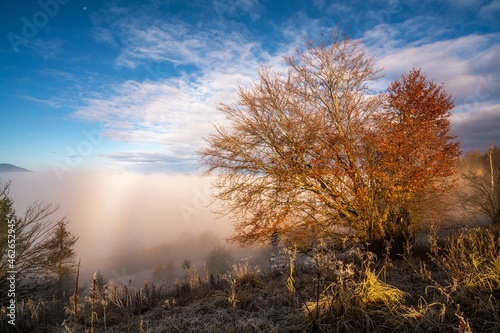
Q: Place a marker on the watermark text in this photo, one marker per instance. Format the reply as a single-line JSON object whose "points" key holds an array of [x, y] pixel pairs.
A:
{"points": [[11, 273]]}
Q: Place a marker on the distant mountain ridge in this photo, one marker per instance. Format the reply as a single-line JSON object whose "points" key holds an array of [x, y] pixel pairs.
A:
{"points": [[6, 167]]}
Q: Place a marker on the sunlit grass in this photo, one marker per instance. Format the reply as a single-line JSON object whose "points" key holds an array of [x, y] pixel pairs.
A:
{"points": [[456, 290], [372, 291]]}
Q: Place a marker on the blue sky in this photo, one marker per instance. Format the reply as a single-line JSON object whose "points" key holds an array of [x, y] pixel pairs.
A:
{"points": [[132, 86]]}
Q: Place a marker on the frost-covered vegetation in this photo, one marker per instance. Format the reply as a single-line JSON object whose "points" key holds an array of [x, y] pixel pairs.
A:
{"points": [[448, 285]]}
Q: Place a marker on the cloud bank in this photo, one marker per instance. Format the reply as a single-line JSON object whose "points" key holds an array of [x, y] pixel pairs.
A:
{"points": [[209, 62]]}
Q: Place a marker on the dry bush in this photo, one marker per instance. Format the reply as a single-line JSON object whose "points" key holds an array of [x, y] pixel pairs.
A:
{"points": [[356, 300], [245, 286], [470, 261], [246, 275], [471, 257]]}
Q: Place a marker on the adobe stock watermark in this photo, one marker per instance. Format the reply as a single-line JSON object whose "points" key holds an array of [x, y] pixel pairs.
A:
{"points": [[156, 72], [11, 270], [75, 154], [487, 87], [122, 277], [201, 199], [30, 26]]}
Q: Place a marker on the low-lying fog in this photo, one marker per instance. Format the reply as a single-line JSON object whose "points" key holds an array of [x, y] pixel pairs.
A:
{"points": [[129, 223]]}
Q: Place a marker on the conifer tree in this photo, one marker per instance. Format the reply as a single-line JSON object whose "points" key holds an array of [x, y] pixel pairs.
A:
{"points": [[61, 255]]}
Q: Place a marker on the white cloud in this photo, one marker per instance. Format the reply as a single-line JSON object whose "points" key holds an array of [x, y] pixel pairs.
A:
{"points": [[181, 44], [175, 113], [477, 125], [210, 62], [150, 108], [461, 63]]}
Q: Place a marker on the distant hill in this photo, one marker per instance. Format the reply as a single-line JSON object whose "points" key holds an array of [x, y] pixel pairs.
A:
{"points": [[5, 167]]}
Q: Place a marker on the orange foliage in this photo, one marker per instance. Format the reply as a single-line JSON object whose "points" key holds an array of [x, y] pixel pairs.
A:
{"points": [[314, 153]]}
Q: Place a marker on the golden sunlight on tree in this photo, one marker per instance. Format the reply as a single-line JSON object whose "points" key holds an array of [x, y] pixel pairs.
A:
{"points": [[415, 156], [314, 153]]}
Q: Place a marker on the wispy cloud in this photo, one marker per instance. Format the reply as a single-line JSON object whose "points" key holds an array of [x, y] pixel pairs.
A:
{"points": [[178, 44], [158, 43], [104, 35], [141, 36], [233, 8], [59, 75], [490, 13], [40, 101], [175, 113], [156, 162], [47, 49]]}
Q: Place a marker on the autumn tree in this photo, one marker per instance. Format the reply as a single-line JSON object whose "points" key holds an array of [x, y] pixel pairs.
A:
{"points": [[416, 157], [481, 175], [302, 153], [61, 255]]}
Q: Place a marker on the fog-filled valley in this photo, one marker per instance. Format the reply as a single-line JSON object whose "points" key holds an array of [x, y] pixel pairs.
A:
{"points": [[127, 223]]}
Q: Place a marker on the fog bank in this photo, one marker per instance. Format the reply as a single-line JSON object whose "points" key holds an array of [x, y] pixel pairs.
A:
{"points": [[115, 214]]}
